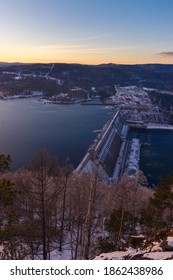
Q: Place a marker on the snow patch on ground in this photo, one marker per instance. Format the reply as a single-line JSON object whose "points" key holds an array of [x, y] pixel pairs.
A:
{"points": [[136, 254], [159, 255], [170, 241]]}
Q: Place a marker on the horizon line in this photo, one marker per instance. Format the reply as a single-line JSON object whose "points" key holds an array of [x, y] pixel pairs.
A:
{"points": [[89, 64]]}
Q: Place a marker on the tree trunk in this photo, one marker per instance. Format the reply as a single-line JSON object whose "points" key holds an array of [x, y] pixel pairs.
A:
{"points": [[62, 217]]}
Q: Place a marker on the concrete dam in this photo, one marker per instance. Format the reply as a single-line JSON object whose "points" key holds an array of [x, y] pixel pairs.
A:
{"points": [[111, 152]]}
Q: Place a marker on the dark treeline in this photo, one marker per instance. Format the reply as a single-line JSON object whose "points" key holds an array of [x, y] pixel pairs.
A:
{"points": [[48, 207]]}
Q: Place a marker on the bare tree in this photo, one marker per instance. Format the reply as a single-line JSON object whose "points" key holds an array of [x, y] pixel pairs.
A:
{"points": [[77, 205], [41, 190], [87, 200], [128, 198], [65, 178], [94, 205]]}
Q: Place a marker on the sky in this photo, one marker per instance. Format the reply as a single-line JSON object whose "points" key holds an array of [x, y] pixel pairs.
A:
{"points": [[86, 31]]}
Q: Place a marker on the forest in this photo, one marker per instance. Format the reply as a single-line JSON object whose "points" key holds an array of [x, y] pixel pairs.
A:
{"points": [[49, 211]]}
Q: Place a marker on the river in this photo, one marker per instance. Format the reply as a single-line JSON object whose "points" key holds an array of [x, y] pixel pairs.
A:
{"points": [[156, 159]]}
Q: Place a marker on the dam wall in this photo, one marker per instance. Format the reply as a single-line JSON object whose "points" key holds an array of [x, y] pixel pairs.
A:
{"points": [[105, 149]]}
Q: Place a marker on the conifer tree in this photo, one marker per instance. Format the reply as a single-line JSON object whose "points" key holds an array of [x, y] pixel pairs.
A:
{"points": [[12, 248], [158, 216]]}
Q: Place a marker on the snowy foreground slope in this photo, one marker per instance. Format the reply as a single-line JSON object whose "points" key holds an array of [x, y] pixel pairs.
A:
{"points": [[135, 255], [154, 252]]}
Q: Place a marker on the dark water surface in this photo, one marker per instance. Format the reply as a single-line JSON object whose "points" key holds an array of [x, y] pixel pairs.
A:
{"points": [[64, 130], [156, 160]]}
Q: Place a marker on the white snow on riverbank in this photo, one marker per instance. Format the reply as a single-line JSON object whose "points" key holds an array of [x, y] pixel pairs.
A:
{"points": [[159, 126]]}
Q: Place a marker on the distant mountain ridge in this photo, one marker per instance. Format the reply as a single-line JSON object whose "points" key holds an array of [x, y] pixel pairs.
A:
{"points": [[55, 78]]}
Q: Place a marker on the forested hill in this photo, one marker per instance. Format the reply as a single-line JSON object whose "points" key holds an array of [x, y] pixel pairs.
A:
{"points": [[55, 78]]}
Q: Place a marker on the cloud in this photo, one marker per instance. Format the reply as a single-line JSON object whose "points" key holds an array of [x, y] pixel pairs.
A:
{"points": [[166, 54], [85, 48]]}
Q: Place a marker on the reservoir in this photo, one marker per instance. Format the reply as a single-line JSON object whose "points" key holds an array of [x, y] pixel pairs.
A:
{"points": [[64, 130], [68, 131]]}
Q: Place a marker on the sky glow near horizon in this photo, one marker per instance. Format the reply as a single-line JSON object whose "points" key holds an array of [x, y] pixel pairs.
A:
{"points": [[86, 31]]}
